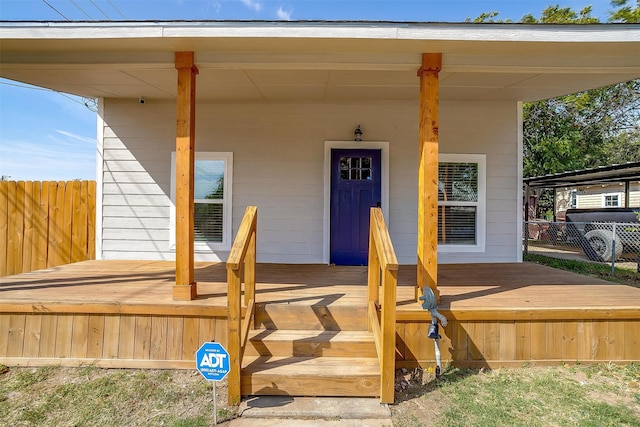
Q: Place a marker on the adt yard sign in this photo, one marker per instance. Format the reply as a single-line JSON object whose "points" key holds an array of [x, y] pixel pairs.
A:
{"points": [[212, 361]]}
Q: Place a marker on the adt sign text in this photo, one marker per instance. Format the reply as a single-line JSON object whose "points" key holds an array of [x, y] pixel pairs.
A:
{"points": [[212, 361]]}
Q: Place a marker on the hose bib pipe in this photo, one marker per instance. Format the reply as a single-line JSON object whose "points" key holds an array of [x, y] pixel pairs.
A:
{"points": [[436, 342], [429, 303]]}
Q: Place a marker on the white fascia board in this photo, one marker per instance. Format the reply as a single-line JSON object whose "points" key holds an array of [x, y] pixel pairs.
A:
{"points": [[73, 31], [325, 32], [615, 33]]}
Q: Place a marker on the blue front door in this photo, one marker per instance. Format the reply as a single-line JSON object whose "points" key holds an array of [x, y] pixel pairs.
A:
{"points": [[355, 188]]}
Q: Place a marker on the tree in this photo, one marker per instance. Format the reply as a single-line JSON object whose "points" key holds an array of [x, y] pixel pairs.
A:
{"points": [[587, 129], [562, 15], [625, 13], [551, 15], [582, 130]]}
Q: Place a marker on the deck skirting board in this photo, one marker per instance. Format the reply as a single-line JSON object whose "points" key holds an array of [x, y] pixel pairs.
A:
{"points": [[508, 343], [110, 340], [170, 342]]}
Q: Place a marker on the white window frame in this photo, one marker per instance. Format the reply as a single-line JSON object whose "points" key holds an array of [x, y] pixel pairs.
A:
{"points": [[573, 194], [604, 200], [207, 247], [481, 209]]}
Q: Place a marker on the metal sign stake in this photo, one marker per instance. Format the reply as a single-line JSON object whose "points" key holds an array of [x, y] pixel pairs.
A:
{"points": [[212, 361], [215, 405]]}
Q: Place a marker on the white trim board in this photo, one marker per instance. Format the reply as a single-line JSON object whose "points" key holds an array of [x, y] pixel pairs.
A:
{"points": [[481, 207], [206, 247], [519, 182], [383, 146], [99, 176]]}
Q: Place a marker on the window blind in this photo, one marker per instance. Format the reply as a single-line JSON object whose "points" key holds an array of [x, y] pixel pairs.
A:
{"points": [[457, 200]]}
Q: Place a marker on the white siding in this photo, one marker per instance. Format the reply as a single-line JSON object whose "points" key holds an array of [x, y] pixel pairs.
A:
{"points": [[278, 166], [489, 128], [593, 196], [587, 201], [136, 180]]}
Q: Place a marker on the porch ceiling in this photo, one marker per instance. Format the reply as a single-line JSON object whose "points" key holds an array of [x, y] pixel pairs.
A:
{"points": [[276, 62]]}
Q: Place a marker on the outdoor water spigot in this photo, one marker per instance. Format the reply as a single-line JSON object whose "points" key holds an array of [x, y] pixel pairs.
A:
{"points": [[430, 303], [428, 298]]}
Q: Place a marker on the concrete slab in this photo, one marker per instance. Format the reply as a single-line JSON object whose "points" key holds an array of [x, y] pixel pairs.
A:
{"points": [[280, 422], [326, 408]]}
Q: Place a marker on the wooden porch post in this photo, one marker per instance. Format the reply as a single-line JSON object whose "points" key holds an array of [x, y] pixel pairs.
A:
{"points": [[185, 287], [428, 175]]}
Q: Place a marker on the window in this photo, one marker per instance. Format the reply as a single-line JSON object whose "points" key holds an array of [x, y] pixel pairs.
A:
{"points": [[611, 200], [212, 201], [573, 199], [355, 168], [461, 202]]}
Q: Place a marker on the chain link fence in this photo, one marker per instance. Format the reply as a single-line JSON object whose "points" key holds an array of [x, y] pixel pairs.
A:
{"points": [[617, 244]]}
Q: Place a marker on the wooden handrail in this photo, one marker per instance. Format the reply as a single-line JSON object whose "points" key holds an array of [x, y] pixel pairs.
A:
{"points": [[241, 243], [383, 270], [241, 262]]}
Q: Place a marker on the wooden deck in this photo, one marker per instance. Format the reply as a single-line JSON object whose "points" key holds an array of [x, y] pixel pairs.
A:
{"points": [[121, 313]]}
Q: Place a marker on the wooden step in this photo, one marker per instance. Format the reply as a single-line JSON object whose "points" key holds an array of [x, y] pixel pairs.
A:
{"points": [[311, 376], [312, 317], [266, 342]]}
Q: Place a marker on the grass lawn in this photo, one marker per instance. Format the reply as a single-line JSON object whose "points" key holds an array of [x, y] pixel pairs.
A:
{"points": [[89, 396], [601, 271], [568, 395]]}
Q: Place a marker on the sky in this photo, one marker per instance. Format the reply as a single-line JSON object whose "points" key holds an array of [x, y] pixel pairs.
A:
{"points": [[46, 135]]}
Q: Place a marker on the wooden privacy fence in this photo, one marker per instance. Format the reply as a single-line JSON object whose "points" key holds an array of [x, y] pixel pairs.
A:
{"points": [[45, 224]]}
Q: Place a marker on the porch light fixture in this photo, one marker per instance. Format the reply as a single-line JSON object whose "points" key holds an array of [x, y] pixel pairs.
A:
{"points": [[358, 134]]}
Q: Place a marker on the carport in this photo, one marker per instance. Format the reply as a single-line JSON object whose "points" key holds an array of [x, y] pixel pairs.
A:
{"points": [[626, 173]]}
